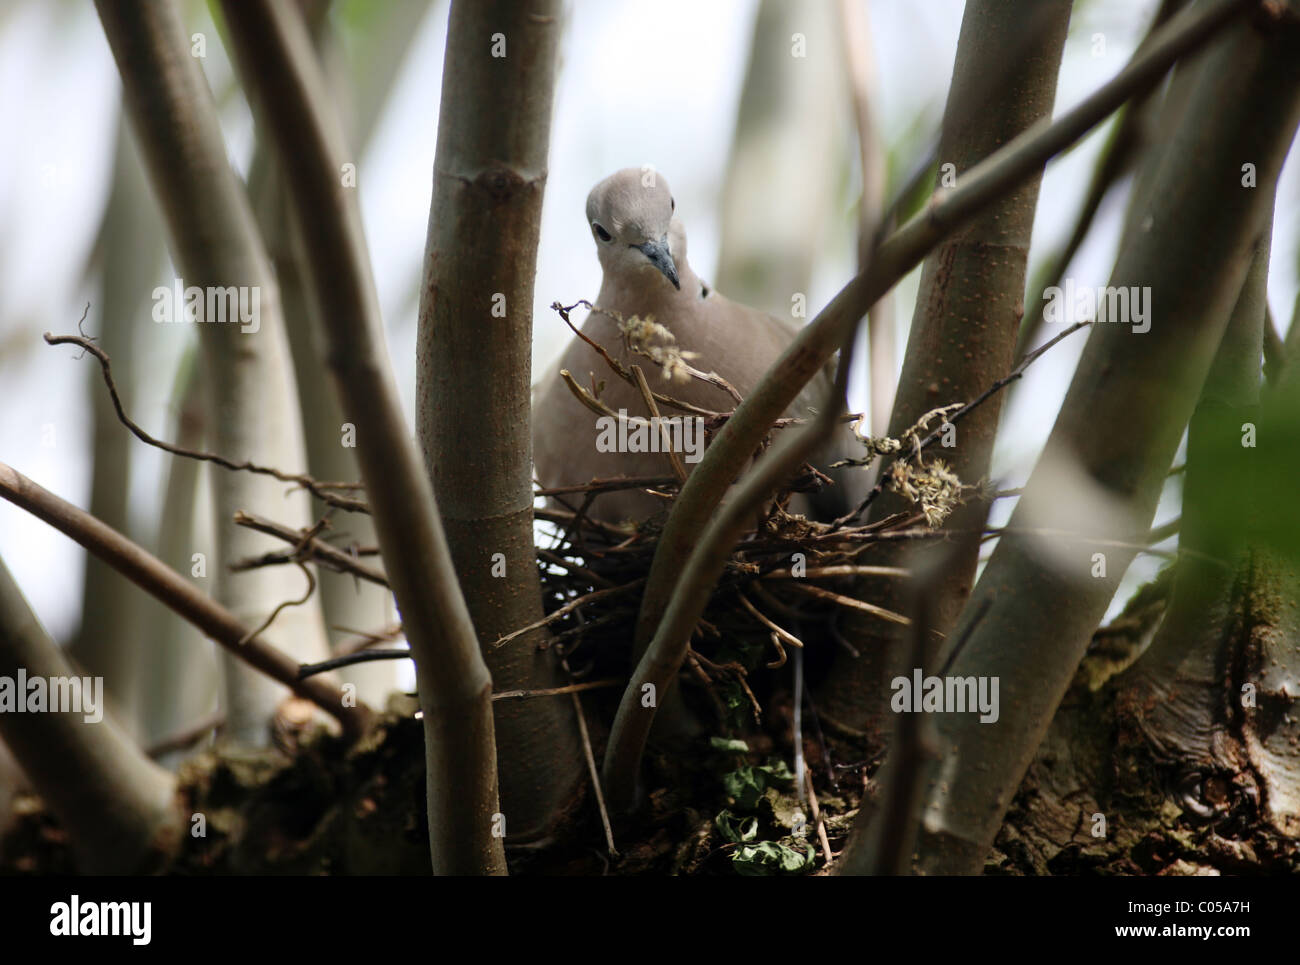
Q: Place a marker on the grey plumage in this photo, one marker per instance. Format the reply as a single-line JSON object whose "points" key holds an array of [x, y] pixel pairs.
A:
{"points": [[641, 245]]}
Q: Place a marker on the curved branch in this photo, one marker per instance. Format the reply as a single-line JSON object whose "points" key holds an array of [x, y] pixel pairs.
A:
{"points": [[166, 585], [216, 247], [115, 804], [321, 491], [283, 77]]}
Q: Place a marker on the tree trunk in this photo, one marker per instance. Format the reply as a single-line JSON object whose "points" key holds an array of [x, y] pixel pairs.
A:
{"points": [[474, 358], [963, 334]]}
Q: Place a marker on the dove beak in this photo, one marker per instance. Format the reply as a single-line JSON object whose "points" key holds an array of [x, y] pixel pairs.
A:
{"points": [[657, 252]]}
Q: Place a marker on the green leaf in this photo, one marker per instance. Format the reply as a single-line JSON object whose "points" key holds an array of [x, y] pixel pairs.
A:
{"points": [[728, 745], [736, 828], [745, 787], [773, 858], [777, 773]]}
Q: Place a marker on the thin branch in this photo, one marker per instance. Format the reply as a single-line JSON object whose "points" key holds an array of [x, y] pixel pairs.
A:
{"points": [[568, 608], [822, 837], [570, 518], [350, 659], [306, 547], [363, 640], [609, 485], [166, 585], [816, 572], [957, 416], [320, 490], [1162, 532], [851, 603], [185, 739], [282, 606], [595, 775], [591, 576], [556, 691], [674, 460], [1141, 545], [784, 634], [619, 368]]}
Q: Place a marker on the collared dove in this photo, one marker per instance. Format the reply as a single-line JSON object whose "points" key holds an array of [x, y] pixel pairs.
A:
{"points": [[642, 251]]}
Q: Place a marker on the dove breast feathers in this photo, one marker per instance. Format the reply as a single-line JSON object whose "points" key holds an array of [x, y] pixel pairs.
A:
{"points": [[641, 246], [737, 343]]}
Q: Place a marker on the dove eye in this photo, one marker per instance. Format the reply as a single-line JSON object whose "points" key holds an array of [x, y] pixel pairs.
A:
{"points": [[673, 202], [601, 233]]}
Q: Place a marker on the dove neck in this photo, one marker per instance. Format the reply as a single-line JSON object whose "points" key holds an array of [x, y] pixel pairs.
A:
{"points": [[649, 293]]}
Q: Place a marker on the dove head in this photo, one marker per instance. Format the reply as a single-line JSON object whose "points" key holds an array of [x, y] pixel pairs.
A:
{"points": [[630, 214]]}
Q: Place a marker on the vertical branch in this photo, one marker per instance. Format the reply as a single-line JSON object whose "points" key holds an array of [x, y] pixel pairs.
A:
{"points": [[1134, 130], [968, 309], [110, 641], [380, 50], [473, 372], [216, 246], [179, 677], [885, 830], [781, 188], [1178, 690], [281, 72], [860, 62]]}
